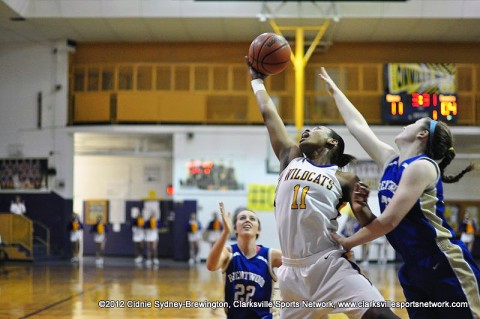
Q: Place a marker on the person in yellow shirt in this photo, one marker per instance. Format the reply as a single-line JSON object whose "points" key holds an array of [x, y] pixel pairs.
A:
{"points": [[193, 230], [214, 229], [151, 239], [468, 229], [99, 230], [75, 227], [138, 234]]}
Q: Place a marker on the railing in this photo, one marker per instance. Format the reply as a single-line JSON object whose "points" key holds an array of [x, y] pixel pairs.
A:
{"points": [[17, 231], [220, 93], [45, 239]]}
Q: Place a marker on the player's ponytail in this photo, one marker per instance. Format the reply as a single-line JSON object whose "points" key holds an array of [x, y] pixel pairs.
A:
{"points": [[345, 159], [440, 147], [338, 157]]}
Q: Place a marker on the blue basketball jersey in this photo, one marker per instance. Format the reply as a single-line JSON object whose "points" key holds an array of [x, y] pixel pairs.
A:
{"points": [[424, 224], [248, 285], [438, 267]]}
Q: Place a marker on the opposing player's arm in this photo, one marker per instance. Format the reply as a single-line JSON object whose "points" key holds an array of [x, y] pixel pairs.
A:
{"points": [[356, 193], [379, 151], [416, 178], [276, 257], [219, 254], [282, 144]]}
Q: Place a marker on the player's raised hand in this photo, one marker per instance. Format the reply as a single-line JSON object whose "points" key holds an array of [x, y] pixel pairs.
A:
{"points": [[254, 74], [226, 218], [331, 86]]}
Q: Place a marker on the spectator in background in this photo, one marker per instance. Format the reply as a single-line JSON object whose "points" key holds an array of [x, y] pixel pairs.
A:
{"points": [[193, 230], [214, 229], [18, 206], [138, 234], [75, 227], [99, 230], [468, 229], [151, 239]]}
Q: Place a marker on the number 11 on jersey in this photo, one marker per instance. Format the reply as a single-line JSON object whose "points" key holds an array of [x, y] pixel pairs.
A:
{"points": [[302, 197]]}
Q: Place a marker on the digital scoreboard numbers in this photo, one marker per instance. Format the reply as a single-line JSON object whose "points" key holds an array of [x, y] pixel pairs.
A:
{"points": [[407, 108], [417, 90]]}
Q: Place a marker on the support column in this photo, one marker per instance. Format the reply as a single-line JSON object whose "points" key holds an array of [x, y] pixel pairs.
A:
{"points": [[300, 60]]}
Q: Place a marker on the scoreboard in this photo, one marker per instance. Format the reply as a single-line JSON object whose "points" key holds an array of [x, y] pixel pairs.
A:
{"points": [[407, 108], [416, 90]]}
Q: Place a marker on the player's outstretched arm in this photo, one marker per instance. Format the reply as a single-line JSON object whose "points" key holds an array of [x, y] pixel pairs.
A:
{"points": [[219, 254], [379, 151], [281, 142], [416, 178]]}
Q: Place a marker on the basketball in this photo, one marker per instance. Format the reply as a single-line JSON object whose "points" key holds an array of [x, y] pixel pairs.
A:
{"points": [[269, 53]]}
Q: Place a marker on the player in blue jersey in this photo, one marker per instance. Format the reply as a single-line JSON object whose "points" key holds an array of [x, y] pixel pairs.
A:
{"points": [[247, 266], [437, 267]]}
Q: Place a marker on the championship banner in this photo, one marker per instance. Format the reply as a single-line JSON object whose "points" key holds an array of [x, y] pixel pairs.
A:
{"points": [[409, 78]]}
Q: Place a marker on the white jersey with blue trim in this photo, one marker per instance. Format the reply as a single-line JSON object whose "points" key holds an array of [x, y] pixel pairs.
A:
{"points": [[306, 212]]}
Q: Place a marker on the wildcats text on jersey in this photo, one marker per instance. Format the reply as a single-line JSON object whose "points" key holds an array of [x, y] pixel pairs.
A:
{"points": [[298, 174]]}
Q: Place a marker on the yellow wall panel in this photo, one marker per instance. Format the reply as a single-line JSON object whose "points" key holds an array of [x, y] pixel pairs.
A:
{"points": [[137, 107], [92, 107], [183, 107]]}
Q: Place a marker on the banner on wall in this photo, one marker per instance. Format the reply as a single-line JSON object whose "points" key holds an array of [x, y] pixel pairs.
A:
{"points": [[409, 78], [261, 197], [95, 209]]}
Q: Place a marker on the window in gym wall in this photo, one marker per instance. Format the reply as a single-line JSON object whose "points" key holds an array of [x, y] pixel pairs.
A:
{"points": [[220, 78], [352, 78], [240, 80], [108, 78], [201, 78], [182, 78], [164, 77], [93, 79], [278, 82], [371, 78], [144, 77], [125, 77], [79, 79]]}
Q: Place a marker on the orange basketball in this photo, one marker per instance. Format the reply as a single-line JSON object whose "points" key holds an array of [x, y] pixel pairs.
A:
{"points": [[269, 53]]}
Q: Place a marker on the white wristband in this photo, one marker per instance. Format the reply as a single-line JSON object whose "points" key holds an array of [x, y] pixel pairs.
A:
{"points": [[257, 85]]}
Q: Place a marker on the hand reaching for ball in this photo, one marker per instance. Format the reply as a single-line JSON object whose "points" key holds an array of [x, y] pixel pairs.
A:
{"points": [[254, 74]]}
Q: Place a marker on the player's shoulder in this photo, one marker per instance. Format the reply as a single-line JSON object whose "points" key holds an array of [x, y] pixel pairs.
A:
{"points": [[422, 170], [423, 165], [346, 178]]}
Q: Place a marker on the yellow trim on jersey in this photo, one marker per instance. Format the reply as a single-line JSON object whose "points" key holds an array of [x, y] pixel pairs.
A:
{"points": [[428, 206], [464, 274], [452, 252]]}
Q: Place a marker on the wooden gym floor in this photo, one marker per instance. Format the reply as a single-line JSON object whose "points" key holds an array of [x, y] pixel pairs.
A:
{"points": [[63, 290]]}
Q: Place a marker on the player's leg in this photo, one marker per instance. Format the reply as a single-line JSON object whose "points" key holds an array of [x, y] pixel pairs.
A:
{"points": [[352, 292]]}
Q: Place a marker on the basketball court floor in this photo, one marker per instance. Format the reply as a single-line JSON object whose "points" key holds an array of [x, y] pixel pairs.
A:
{"points": [[122, 290]]}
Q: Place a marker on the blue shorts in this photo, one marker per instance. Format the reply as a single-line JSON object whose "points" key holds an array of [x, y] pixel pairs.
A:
{"points": [[450, 276]]}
